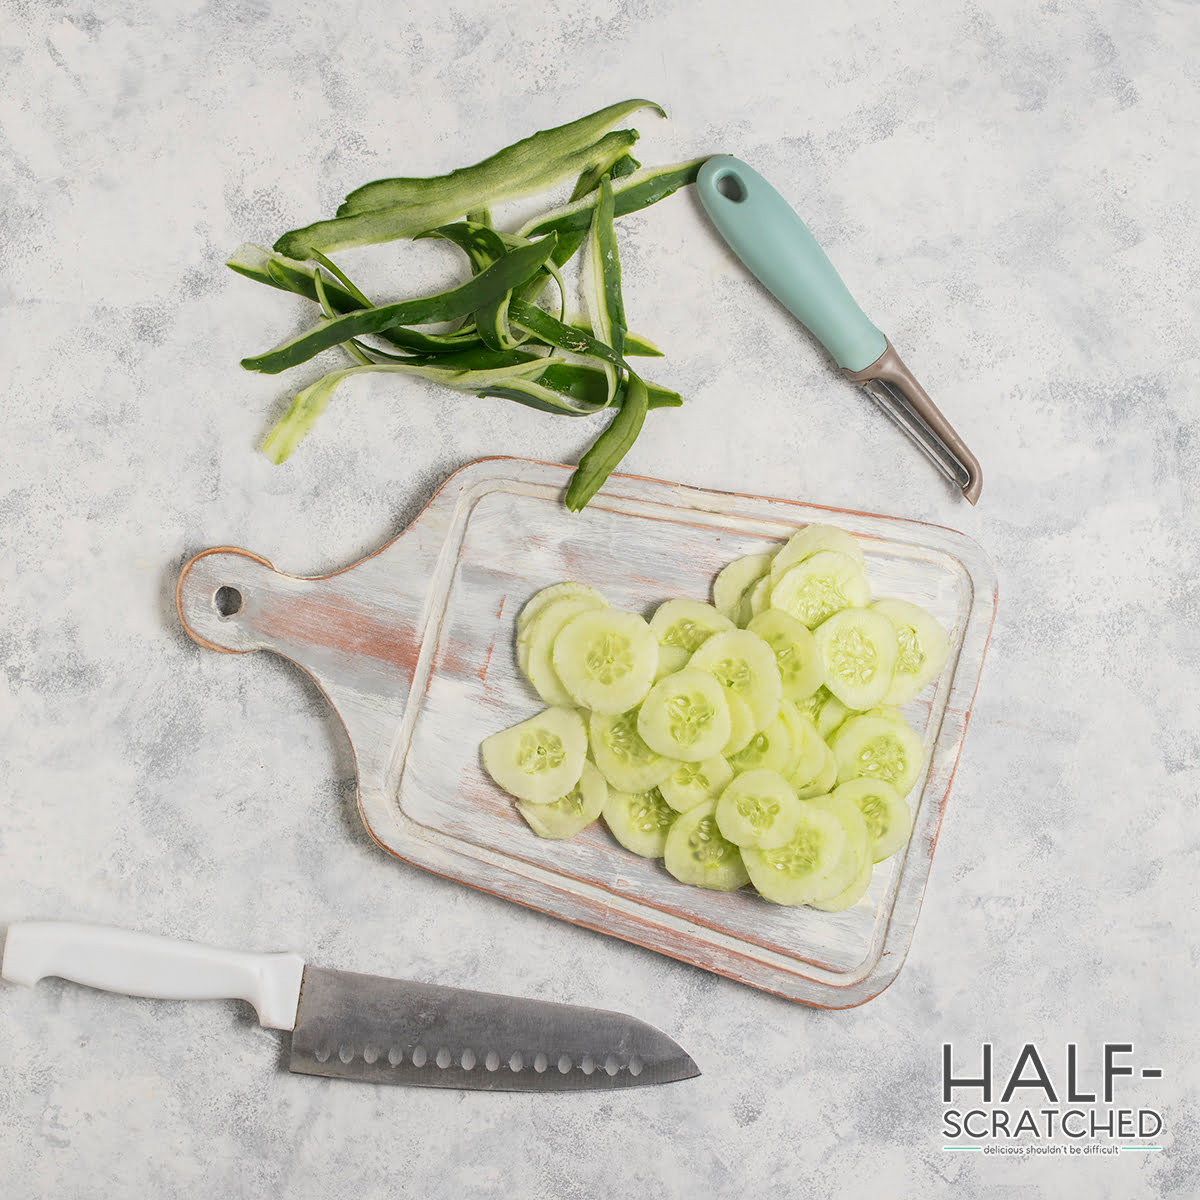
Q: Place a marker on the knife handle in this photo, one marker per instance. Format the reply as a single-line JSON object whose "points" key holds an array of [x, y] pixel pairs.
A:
{"points": [[143, 964], [767, 234]]}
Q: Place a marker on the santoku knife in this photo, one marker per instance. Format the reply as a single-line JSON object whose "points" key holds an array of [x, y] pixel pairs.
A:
{"points": [[350, 1026]]}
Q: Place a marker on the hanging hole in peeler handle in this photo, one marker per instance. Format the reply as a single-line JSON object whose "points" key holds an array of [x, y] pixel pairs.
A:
{"points": [[731, 187], [227, 601]]}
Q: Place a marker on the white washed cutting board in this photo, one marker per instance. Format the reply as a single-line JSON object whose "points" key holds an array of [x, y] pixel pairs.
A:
{"points": [[414, 648]]}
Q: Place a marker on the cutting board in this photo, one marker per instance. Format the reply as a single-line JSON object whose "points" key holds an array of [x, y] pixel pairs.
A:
{"points": [[414, 649]]}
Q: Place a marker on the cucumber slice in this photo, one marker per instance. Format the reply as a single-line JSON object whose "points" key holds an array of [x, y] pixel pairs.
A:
{"points": [[639, 821], [693, 783], [822, 783], [770, 749], [858, 840], [566, 816], [859, 648], [801, 668], [800, 871], [853, 894], [685, 716], [886, 814], [924, 648], [606, 659], [732, 584], [624, 759], [536, 644], [878, 748], [725, 725], [698, 853], [809, 752], [670, 660], [741, 723], [812, 539], [558, 591], [741, 660], [756, 600], [819, 586], [888, 712], [687, 624], [760, 809], [824, 710], [538, 760]]}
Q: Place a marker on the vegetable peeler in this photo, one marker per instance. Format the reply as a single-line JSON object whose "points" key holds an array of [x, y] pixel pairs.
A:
{"points": [[766, 233]]}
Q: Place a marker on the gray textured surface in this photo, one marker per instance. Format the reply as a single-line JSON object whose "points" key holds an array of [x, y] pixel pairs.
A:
{"points": [[1011, 195]]}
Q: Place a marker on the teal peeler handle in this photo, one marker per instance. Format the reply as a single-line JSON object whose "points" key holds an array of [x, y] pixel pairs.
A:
{"points": [[765, 232]]}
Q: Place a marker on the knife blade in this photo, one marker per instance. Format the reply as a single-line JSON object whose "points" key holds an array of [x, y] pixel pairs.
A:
{"points": [[345, 1025]]}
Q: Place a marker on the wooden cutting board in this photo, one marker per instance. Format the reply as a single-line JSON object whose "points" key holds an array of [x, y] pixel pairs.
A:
{"points": [[414, 649]]}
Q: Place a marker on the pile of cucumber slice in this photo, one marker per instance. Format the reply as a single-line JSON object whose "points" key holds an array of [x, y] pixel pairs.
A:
{"points": [[754, 740]]}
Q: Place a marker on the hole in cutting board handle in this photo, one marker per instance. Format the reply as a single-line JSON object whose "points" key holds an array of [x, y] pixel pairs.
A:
{"points": [[227, 601]]}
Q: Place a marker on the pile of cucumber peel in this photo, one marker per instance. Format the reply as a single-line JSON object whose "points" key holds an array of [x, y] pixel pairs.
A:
{"points": [[754, 740], [500, 342]]}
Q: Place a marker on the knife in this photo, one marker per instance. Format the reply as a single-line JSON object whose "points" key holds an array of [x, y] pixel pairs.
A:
{"points": [[767, 234], [364, 1027]]}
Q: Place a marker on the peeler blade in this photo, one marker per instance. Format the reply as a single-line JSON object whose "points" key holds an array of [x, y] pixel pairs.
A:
{"points": [[894, 404], [892, 386]]}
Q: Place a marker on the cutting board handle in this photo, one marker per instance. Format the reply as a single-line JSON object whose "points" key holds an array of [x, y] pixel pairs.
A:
{"points": [[355, 633], [221, 595]]}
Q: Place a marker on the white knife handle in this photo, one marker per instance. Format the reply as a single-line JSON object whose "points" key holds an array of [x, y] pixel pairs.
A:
{"points": [[142, 964]]}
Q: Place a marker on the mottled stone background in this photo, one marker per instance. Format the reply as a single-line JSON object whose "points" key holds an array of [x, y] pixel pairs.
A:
{"points": [[1010, 190]]}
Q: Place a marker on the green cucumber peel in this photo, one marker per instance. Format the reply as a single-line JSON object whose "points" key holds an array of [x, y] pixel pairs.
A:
{"points": [[386, 225], [351, 347], [565, 337], [485, 246], [588, 383], [608, 262], [532, 288], [341, 277], [610, 447], [491, 322], [620, 165], [501, 342], [310, 403], [631, 193], [575, 390], [568, 243], [475, 358], [286, 274], [420, 344], [625, 165], [516, 376], [394, 208], [638, 346], [532, 164], [602, 278], [499, 278], [277, 271], [534, 394], [482, 245]]}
